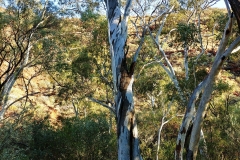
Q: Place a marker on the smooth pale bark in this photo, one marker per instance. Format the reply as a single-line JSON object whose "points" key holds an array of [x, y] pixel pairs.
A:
{"points": [[161, 127], [188, 117], [186, 62], [206, 89], [195, 135], [169, 68], [128, 142], [159, 135], [16, 65], [5, 94], [10, 82]]}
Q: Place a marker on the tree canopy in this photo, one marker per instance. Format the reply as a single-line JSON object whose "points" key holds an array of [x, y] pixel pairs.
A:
{"points": [[91, 79]]}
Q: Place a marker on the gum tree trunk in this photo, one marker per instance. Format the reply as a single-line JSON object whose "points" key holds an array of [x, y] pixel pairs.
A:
{"points": [[10, 81], [196, 117], [128, 142]]}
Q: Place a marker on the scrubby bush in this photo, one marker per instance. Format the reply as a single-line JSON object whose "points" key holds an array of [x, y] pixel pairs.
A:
{"points": [[87, 138]]}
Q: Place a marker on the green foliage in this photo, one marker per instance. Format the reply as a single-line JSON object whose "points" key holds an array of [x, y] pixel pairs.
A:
{"points": [[149, 122], [87, 138], [76, 54], [221, 87], [83, 69], [222, 134], [148, 50], [220, 18], [152, 79], [89, 15], [82, 139], [172, 21], [14, 139], [83, 65], [195, 77], [216, 16], [198, 71], [24, 29], [186, 33]]}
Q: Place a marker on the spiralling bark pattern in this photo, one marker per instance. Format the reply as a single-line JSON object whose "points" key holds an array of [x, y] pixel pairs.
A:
{"points": [[127, 127], [128, 143]]}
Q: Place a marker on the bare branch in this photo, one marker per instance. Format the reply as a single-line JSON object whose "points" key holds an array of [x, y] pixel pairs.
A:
{"points": [[19, 99], [102, 103], [217, 64]]}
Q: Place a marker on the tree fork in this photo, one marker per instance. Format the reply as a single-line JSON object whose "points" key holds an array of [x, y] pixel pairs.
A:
{"points": [[206, 94]]}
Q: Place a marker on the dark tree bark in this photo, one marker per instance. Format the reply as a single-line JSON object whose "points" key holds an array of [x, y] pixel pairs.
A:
{"points": [[128, 142], [235, 5]]}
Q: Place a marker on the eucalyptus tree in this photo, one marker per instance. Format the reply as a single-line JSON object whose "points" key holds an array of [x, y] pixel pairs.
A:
{"points": [[24, 25], [204, 88], [192, 120], [82, 72], [122, 74], [128, 142]]}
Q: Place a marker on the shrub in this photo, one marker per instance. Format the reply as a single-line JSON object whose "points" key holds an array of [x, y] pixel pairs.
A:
{"points": [[86, 138]]}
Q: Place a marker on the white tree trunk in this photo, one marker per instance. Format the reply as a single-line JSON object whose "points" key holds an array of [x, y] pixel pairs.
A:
{"points": [[159, 134], [205, 88], [11, 76], [186, 62], [5, 94], [128, 143], [9, 84]]}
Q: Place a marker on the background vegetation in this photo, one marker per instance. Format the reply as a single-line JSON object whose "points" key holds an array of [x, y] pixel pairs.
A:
{"points": [[70, 71]]}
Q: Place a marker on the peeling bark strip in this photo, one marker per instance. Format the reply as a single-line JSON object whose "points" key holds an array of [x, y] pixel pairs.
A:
{"points": [[128, 143], [128, 146], [127, 126], [126, 75], [178, 150], [125, 80]]}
